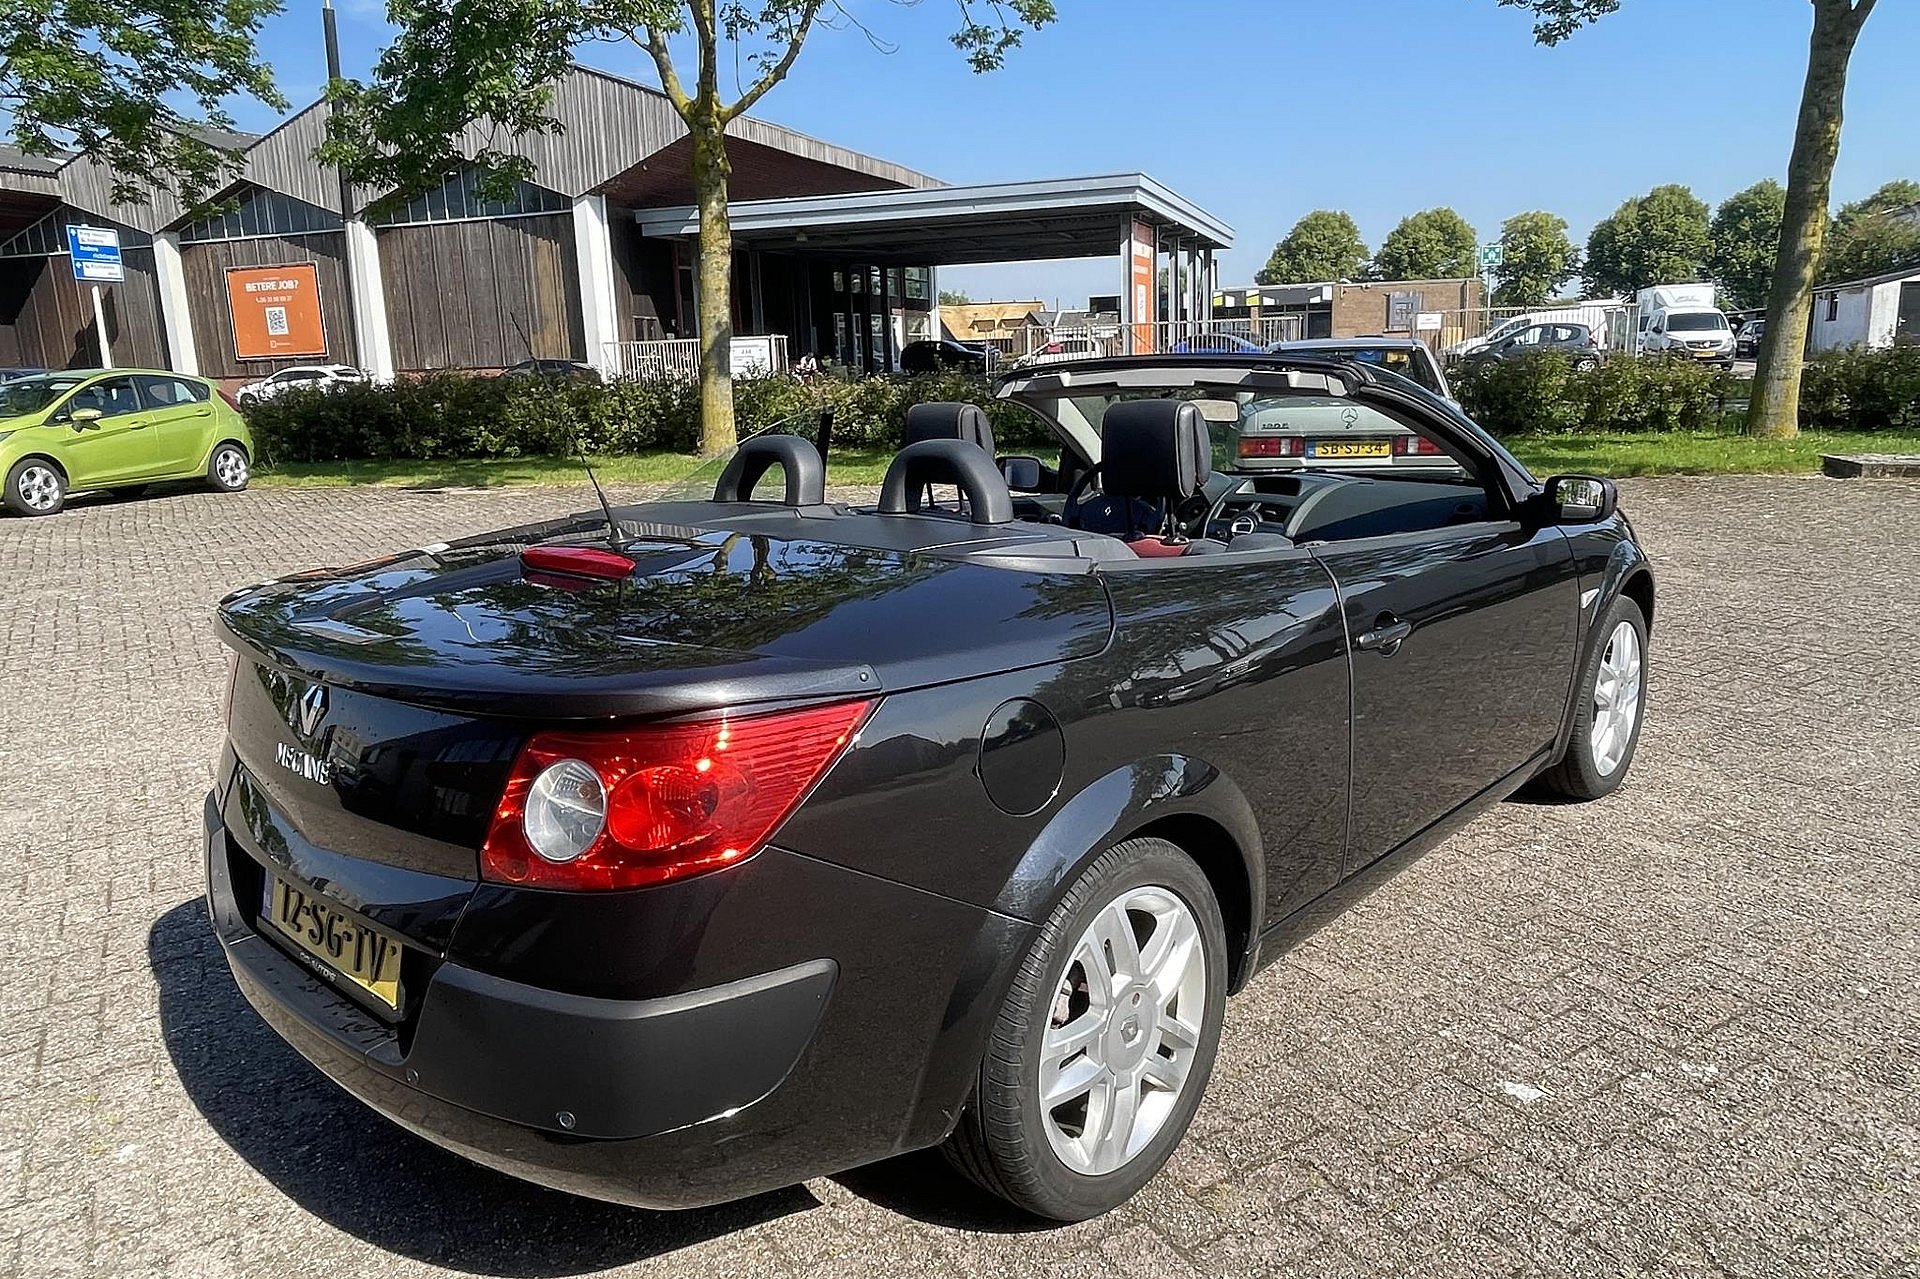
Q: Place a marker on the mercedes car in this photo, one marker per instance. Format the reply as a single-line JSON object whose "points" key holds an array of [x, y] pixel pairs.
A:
{"points": [[678, 851]]}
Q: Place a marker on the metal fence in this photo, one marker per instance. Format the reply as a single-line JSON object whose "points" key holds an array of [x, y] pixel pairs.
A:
{"points": [[678, 359], [1614, 325], [1034, 343]]}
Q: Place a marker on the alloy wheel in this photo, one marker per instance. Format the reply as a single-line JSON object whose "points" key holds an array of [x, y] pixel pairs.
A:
{"points": [[230, 468], [1125, 1030], [1616, 698], [39, 487]]}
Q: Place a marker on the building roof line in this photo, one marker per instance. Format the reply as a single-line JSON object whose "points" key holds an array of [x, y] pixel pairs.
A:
{"points": [[758, 122], [1135, 191], [1910, 271]]}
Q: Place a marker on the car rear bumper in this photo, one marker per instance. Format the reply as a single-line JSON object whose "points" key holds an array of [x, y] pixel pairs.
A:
{"points": [[788, 1018], [626, 1100]]}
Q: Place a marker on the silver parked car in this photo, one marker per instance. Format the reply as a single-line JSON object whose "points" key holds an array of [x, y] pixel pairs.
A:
{"points": [[1300, 431]]}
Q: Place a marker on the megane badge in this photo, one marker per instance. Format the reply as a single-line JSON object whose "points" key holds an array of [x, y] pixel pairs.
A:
{"points": [[306, 714]]}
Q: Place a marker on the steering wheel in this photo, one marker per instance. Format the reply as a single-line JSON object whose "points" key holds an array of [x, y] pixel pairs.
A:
{"points": [[1114, 516]]}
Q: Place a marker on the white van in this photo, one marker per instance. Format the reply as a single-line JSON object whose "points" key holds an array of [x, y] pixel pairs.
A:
{"points": [[1701, 333]]}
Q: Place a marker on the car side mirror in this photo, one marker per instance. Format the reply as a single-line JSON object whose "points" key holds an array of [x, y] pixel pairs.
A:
{"points": [[83, 418], [1023, 473], [1581, 499]]}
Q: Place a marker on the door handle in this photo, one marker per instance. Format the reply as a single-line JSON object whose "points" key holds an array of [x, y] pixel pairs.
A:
{"points": [[203, 413], [1386, 636]]}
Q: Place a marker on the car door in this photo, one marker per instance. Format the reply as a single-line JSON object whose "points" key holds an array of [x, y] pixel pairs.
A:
{"points": [[114, 448], [181, 419], [1240, 662], [1462, 639]]}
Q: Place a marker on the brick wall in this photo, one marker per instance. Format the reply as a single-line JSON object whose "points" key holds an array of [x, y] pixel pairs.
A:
{"points": [[1361, 309]]}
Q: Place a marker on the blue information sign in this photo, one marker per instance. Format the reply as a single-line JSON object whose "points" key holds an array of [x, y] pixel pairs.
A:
{"points": [[96, 254]]}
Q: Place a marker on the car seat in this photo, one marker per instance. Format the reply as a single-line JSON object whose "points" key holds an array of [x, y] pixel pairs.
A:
{"points": [[1154, 455]]}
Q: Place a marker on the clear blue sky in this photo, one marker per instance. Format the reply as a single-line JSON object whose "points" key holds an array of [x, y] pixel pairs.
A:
{"points": [[1260, 110]]}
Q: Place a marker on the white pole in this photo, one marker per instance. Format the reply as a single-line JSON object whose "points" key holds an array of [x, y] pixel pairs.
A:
{"points": [[100, 327]]}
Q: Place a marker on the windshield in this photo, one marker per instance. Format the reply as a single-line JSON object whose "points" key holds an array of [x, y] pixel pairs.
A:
{"points": [[1235, 417], [31, 394], [1696, 322]]}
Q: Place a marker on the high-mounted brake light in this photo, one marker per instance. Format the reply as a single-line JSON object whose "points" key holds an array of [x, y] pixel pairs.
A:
{"points": [[623, 808], [578, 561]]}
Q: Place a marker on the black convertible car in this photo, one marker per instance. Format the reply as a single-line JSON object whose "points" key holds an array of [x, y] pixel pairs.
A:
{"points": [[680, 851]]}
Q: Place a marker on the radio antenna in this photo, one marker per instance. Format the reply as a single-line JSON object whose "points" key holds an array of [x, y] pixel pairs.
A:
{"points": [[613, 525]]}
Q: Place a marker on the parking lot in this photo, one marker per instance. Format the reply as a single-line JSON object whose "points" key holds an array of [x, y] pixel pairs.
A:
{"points": [[1673, 1033]]}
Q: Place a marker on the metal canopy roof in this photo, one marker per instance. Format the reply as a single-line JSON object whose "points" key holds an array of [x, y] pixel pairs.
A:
{"points": [[944, 226]]}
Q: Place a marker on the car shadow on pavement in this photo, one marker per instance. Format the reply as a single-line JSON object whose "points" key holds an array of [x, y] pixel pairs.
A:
{"points": [[363, 1175], [925, 1187]]}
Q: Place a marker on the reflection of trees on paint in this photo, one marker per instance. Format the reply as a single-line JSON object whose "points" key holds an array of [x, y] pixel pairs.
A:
{"points": [[1185, 632], [689, 604]]}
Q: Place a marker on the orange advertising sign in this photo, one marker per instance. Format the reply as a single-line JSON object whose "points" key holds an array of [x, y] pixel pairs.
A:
{"points": [[276, 311], [1140, 260]]}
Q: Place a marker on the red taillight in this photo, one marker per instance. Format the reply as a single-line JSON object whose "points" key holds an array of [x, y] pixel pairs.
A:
{"points": [[232, 403], [1416, 446], [1271, 446], [579, 561], [681, 799]]}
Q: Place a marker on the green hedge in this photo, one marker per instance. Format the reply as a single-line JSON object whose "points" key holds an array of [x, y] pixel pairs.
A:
{"points": [[1858, 390], [1545, 394], [459, 415]]}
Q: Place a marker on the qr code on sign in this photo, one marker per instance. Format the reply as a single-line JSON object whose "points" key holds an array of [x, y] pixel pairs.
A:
{"points": [[277, 321]]}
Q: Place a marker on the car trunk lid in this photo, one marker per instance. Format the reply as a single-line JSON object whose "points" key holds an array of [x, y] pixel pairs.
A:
{"points": [[377, 710]]}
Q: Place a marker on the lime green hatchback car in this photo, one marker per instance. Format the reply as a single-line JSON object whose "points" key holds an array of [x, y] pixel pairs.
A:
{"points": [[117, 429]]}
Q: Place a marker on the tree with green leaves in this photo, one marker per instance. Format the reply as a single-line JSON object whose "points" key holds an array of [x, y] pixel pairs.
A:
{"points": [[953, 297], [1323, 246], [1656, 238], [140, 87], [1537, 258], [1873, 236], [493, 63], [1744, 242], [1435, 244], [1775, 408]]}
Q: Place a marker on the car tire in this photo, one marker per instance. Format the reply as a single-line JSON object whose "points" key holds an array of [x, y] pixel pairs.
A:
{"points": [[35, 486], [1585, 364], [1062, 1160], [1612, 708], [228, 469], [129, 490]]}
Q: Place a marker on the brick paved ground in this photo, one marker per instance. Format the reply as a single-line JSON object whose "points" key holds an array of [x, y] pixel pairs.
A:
{"points": [[1671, 1034]]}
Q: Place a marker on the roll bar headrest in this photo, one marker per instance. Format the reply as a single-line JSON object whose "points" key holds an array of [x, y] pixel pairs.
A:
{"points": [[797, 458], [949, 420], [958, 462], [1154, 449]]}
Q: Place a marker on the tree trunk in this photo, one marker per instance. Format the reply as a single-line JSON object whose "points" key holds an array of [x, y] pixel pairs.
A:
{"points": [[714, 275], [1775, 410]]}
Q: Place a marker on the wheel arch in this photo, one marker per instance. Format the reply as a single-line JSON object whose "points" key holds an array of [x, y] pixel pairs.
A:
{"points": [[1218, 855], [48, 458], [1181, 799], [1638, 587]]}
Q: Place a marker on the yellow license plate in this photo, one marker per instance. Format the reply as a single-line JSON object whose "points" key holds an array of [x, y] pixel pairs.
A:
{"points": [[368, 959], [1349, 448]]}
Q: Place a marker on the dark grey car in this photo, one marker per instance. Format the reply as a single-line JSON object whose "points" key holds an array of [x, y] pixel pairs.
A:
{"points": [[1575, 341]]}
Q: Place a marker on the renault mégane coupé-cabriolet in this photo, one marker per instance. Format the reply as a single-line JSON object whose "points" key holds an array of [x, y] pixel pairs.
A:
{"points": [[682, 850]]}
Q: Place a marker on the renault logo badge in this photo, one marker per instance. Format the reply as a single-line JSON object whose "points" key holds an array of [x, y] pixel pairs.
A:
{"points": [[309, 711]]}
